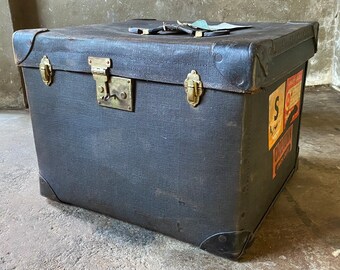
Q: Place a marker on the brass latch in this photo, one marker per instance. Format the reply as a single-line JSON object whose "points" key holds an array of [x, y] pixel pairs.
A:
{"points": [[193, 87], [46, 71], [113, 92]]}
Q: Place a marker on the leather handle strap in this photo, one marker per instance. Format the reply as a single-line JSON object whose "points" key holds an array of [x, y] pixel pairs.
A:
{"points": [[177, 29]]}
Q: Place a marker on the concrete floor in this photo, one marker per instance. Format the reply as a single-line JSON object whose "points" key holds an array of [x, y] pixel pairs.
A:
{"points": [[301, 232]]}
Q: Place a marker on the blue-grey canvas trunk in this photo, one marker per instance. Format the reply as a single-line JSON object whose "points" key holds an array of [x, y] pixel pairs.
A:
{"points": [[206, 175]]}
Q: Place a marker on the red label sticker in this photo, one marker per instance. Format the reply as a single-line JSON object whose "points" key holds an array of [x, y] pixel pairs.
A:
{"points": [[293, 96], [282, 148], [276, 114]]}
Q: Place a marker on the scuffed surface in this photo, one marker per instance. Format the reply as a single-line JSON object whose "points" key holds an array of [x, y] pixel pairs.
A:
{"points": [[324, 67], [301, 232], [89, 12]]}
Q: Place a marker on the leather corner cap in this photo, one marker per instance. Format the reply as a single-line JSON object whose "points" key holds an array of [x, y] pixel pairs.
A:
{"points": [[229, 245], [23, 41], [46, 190], [234, 62]]}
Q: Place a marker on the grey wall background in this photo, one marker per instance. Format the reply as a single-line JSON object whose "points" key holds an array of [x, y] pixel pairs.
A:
{"points": [[324, 67], [11, 92], [336, 59]]}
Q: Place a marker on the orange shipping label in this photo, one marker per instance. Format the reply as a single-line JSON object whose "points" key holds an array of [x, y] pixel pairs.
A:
{"points": [[281, 150], [293, 96], [276, 117]]}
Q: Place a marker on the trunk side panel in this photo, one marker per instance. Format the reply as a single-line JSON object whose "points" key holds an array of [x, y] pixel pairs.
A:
{"points": [[167, 166]]}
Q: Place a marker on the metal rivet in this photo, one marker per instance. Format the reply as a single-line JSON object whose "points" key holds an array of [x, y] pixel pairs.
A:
{"points": [[123, 95], [218, 57], [101, 89], [222, 239]]}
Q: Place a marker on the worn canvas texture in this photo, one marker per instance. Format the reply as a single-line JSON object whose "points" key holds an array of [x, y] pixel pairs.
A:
{"points": [[206, 175]]}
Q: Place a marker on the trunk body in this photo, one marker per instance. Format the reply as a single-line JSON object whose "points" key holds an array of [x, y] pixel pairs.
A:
{"points": [[206, 175]]}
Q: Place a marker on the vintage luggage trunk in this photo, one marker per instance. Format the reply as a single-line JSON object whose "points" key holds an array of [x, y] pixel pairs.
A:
{"points": [[120, 126]]}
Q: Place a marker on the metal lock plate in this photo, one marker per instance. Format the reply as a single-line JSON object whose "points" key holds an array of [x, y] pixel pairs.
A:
{"points": [[112, 92]]}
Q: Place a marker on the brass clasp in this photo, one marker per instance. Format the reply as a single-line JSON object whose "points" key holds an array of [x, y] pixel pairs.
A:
{"points": [[194, 88], [46, 71]]}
